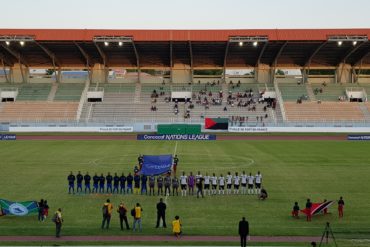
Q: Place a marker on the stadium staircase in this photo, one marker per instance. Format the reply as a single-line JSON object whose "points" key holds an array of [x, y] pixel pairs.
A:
{"points": [[137, 93], [280, 101], [310, 93], [53, 91]]}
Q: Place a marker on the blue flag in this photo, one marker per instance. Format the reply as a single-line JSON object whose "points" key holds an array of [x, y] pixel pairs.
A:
{"points": [[156, 164], [18, 208]]}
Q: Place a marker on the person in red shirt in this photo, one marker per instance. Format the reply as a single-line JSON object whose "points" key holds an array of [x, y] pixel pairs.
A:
{"points": [[295, 210], [340, 207]]}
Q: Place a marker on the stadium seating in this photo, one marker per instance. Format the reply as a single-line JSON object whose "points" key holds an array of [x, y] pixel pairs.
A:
{"points": [[37, 111], [34, 91], [69, 92], [330, 92], [325, 111], [292, 91]]}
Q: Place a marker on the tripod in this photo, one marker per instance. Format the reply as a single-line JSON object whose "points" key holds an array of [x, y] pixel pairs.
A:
{"points": [[326, 233]]}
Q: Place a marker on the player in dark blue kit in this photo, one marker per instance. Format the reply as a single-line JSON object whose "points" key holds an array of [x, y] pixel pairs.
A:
{"points": [[71, 183], [122, 180], [109, 179], [130, 178], [80, 178], [136, 184], [96, 179], [87, 179], [144, 180], [101, 183], [115, 183]]}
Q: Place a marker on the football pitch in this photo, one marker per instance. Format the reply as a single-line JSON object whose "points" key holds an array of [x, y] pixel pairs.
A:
{"points": [[292, 171]]}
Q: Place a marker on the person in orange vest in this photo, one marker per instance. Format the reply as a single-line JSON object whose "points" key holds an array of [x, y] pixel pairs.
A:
{"points": [[107, 213]]}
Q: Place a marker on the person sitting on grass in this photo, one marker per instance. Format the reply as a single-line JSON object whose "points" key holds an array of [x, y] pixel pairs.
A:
{"points": [[263, 194], [176, 226]]}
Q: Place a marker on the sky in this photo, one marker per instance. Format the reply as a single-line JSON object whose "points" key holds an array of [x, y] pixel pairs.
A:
{"points": [[185, 14]]}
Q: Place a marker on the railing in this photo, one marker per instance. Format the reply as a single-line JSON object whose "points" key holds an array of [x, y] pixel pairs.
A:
{"points": [[280, 100]]}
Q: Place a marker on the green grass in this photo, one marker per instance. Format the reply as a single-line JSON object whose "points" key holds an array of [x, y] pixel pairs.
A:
{"points": [[292, 171]]}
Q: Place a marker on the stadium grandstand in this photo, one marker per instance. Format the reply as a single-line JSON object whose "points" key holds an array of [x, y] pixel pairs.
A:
{"points": [[254, 78]]}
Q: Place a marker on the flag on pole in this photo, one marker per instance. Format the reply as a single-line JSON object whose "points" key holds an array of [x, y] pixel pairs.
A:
{"points": [[18, 208]]}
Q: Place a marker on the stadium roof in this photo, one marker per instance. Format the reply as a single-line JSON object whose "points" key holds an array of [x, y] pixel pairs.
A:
{"points": [[198, 48]]}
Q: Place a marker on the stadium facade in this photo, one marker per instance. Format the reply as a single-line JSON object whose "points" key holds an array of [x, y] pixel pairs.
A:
{"points": [[129, 78]]}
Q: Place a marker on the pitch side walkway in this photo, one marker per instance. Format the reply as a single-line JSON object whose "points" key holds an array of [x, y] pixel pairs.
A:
{"points": [[219, 137], [263, 239]]}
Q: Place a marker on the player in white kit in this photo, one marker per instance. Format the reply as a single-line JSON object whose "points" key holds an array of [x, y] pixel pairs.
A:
{"points": [[221, 185], [258, 178], [244, 178], [214, 184], [250, 183], [229, 179], [183, 183], [207, 183], [236, 183]]}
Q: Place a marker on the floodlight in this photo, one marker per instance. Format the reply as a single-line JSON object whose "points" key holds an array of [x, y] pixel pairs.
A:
{"points": [[120, 43], [340, 43], [255, 43], [354, 43], [240, 43], [106, 43], [7, 42], [21, 43]]}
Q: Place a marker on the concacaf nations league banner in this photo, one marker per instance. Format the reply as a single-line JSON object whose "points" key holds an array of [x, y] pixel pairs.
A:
{"points": [[18, 208], [156, 164]]}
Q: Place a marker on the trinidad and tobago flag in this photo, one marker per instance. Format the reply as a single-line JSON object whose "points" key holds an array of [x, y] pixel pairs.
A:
{"points": [[317, 208], [216, 123]]}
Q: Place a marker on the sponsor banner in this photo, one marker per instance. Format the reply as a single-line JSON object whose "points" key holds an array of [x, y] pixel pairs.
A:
{"points": [[70, 129], [200, 137], [156, 164], [8, 137], [358, 137], [18, 208], [300, 129]]}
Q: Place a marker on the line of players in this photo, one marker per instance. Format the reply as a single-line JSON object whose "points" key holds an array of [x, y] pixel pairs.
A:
{"points": [[211, 185]]}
